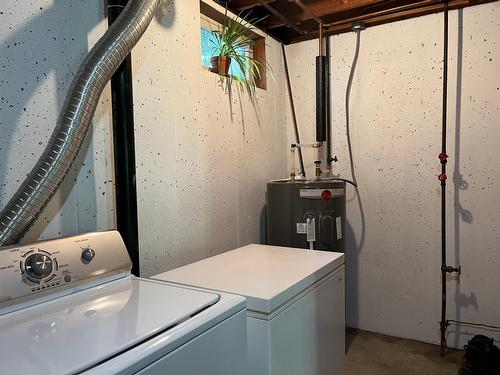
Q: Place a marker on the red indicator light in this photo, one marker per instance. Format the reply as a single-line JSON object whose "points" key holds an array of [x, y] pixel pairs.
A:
{"points": [[326, 195]]}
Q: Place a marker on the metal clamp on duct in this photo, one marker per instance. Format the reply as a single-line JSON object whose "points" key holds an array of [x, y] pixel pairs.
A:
{"points": [[74, 120]]}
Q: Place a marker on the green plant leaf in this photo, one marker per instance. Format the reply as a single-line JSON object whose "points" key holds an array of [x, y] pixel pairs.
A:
{"points": [[234, 40]]}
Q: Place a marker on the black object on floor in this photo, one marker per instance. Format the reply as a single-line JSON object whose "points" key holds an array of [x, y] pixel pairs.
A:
{"points": [[481, 357]]}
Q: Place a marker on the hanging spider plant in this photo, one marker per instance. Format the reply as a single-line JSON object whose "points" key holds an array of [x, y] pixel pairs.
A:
{"points": [[232, 44]]}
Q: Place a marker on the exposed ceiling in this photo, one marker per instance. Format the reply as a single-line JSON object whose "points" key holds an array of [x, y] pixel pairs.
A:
{"points": [[293, 21]]}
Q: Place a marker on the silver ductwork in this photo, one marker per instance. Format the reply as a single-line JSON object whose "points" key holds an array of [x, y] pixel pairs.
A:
{"points": [[74, 120]]}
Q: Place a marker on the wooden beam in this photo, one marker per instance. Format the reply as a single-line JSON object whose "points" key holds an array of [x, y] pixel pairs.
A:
{"points": [[339, 9], [282, 17], [274, 25], [259, 54], [328, 7], [396, 6], [345, 25], [240, 5]]}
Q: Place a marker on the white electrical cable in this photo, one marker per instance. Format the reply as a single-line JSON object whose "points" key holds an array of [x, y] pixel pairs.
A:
{"points": [[347, 97]]}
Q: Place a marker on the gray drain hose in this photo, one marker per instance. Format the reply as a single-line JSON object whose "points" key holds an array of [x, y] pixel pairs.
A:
{"points": [[74, 120]]}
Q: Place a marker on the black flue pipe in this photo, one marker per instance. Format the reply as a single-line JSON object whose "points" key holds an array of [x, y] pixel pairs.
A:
{"points": [[124, 149], [328, 100], [321, 98]]}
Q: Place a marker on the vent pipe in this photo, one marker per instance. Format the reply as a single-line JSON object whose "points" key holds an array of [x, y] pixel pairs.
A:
{"points": [[73, 123], [321, 79]]}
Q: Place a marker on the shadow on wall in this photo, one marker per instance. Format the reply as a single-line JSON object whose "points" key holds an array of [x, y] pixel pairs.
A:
{"points": [[51, 43], [243, 95], [460, 213], [354, 246], [166, 14]]}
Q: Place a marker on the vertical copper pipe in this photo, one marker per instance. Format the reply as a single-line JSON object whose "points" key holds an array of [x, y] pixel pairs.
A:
{"points": [[321, 48]]}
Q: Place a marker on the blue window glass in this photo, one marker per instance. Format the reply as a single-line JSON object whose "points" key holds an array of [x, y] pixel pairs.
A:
{"points": [[208, 50]]}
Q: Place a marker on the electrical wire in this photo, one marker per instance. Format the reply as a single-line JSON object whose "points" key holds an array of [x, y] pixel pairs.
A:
{"points": [[458, 322], [338, 179], [347, 111]]}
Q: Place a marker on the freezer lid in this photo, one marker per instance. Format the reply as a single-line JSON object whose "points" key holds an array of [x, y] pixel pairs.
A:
{"points": [[76, 332], [268, 276]]}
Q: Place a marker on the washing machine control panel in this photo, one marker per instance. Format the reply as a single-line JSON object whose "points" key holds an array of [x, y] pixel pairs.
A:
{"points": [[47, 267]]}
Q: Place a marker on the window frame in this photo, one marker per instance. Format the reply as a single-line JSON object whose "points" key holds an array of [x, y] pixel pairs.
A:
{"points": [[208, 24], [209, 15]]}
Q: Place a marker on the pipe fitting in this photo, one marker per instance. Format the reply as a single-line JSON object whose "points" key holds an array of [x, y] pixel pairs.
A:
{"points": [[317, 164]]}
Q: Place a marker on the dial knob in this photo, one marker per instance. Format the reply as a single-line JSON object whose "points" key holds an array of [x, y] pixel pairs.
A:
{"points": [[88, 254], [38, 266]]}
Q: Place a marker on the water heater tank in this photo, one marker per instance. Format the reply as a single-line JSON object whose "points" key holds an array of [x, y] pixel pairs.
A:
{"points": [[295, 207]]}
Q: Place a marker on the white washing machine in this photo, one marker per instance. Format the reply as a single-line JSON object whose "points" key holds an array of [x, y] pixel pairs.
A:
{"points": [[295, 305], [70, 306]]}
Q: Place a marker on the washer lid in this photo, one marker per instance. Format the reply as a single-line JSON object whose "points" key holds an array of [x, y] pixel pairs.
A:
{"points": [[268, 276], [76, 332]]}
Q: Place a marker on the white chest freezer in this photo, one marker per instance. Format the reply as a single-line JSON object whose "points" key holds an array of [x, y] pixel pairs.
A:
{"points": [[295, 301]]}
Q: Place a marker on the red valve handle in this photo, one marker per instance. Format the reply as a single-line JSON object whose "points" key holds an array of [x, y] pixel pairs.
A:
{"points": [[443, 156]]}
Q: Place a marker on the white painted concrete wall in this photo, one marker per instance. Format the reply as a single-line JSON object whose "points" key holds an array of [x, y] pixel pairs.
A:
{"points": [[393, 250], [42, 43], [203, 159]]}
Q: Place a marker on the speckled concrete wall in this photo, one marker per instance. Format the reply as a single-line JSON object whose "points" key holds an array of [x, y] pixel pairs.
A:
{"points": [[41, 46], [393, 251], [203, 158]]}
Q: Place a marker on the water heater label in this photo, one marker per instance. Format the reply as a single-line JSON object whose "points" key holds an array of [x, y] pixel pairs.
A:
{"points": [[316, 193], [301, 228], [338, 222]]}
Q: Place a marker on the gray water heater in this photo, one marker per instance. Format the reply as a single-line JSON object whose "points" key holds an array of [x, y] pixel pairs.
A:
{"points": [[300, 212]]}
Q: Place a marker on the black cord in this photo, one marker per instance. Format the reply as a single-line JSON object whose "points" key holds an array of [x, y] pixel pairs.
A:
{"points": [[339, 179], [458, 322]]}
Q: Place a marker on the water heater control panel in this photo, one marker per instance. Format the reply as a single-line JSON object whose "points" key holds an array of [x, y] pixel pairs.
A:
{"points": [[45, 267]]}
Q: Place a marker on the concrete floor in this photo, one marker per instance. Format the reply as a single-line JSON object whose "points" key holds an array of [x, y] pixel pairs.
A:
{"points": [[374, 354]]}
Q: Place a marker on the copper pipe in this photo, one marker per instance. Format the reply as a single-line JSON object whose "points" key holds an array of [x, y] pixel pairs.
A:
{"points": [[321, 49]]}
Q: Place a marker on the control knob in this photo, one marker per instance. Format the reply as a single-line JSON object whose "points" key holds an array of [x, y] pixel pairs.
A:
{"points": [[38, 266], [88, 254]]}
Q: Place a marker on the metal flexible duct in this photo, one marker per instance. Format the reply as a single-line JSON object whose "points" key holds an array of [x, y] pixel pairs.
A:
{"points": [[74, 120]]}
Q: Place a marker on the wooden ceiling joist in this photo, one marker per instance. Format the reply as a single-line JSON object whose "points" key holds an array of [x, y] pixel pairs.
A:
{"points": [[242, 5], [292, 21]]}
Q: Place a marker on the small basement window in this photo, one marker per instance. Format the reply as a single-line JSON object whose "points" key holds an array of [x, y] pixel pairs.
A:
{"points": [[207, 47], [211, 20]]}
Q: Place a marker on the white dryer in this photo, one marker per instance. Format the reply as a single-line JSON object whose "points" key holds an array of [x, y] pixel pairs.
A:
{"points": [[70, 306]]}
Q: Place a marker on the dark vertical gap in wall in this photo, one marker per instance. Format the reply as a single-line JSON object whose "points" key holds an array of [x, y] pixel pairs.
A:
{"points": [[124, 148]]}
